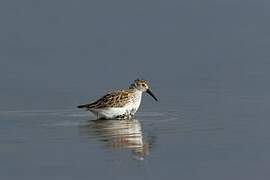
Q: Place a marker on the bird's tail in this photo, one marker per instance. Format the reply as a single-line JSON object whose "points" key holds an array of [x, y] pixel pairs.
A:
{"points": [[83, 106]]}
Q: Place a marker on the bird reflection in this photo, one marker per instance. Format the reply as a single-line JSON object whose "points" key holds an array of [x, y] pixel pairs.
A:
{"points": [[119, 134]]}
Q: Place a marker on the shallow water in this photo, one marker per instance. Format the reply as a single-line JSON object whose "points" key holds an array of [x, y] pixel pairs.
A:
{"points": [[191, 139]]}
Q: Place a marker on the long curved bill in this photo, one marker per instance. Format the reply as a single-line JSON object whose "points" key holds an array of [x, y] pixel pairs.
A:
{"points": [[151, 94]]}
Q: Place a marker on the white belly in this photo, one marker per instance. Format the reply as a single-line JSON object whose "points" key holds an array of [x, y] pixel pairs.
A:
{"points": [[110, 113]]}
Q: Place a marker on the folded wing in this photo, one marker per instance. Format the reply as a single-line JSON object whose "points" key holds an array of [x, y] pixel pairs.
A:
{"points": [[113, 99]]}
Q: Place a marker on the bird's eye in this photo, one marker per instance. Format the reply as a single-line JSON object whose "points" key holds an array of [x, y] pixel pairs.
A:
{"points": [[143, 85]]}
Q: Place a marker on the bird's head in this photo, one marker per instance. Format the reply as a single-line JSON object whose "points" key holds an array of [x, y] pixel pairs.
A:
{"points": [[142, 85]]}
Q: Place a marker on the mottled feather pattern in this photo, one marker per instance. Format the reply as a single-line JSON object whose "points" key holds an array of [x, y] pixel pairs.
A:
{"points": [[114, 99]]}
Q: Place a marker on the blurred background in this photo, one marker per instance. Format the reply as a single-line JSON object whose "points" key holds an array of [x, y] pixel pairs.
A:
{"points": [[55, 54]]}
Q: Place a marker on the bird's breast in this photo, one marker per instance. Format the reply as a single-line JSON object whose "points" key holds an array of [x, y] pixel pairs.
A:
{"points": [[135, 101]]}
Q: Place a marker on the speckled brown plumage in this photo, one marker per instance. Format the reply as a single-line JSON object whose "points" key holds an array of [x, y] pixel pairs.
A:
{"points": [[114, 99]]}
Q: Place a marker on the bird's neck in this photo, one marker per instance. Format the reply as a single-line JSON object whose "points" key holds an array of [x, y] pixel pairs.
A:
{"points": [[136, 91]]}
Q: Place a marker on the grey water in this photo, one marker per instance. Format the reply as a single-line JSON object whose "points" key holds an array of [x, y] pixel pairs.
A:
{"points": [[207, 61]]}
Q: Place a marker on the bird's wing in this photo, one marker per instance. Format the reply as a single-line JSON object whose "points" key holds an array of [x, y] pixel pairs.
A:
{"points": [[114, 99]]}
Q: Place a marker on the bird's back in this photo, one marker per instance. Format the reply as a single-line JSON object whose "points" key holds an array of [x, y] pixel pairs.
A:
{"points": [[117, 98]]}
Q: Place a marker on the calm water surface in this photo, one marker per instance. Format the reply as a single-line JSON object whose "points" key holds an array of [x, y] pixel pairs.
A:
{"points": [[200, 137]]}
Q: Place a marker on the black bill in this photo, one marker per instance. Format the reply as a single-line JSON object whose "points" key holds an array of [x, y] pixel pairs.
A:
{"points": [[151, 94]]}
